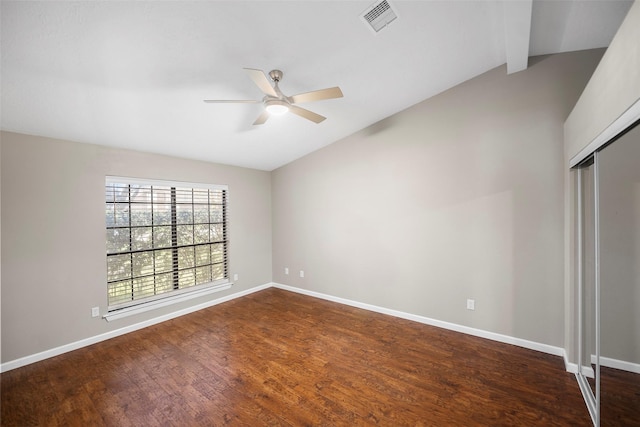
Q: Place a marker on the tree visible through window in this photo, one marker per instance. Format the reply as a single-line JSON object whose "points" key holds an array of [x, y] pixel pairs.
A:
{"points": [[163, 239]]}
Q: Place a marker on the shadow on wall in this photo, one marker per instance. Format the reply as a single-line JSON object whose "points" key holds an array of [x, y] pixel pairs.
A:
{"points": [[381, 126]]}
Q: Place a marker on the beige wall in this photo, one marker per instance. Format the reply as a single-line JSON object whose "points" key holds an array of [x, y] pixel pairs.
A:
{"points": [[613, 88], [460, 196], [53, 240]]}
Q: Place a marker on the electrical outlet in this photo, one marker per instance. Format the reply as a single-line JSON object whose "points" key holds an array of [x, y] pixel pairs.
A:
{"points": [[95, 311], [286, 270], [301, 273], [235, 277], [471, 304]]}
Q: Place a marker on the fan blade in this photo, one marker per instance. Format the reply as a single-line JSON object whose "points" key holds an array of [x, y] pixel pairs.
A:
{"points": [[231, 101], [317, 95], [261, 81], [309, 115], [262, 118]]}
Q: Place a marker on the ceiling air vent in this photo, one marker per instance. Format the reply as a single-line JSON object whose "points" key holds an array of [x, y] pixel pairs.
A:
{"points": [[379, 15]]}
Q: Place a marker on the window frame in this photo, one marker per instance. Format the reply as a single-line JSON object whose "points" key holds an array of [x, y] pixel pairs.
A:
{"points": [[141, 304]]}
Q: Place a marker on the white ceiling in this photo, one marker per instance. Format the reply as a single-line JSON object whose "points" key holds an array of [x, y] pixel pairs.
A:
{"points": [[133, 74]]}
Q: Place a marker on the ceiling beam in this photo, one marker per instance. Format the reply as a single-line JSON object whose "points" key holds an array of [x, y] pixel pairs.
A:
{"points": [[517, 29]]}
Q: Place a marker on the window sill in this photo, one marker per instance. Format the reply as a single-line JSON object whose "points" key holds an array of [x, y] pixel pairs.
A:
{"points": [[152, 305]]}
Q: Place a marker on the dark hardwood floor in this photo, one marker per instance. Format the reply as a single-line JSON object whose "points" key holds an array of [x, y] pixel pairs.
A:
{"points": [[620, 398], [279, 358]]}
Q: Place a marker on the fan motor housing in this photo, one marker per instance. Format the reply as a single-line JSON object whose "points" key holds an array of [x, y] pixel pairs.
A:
{"points": [[276, 75]]}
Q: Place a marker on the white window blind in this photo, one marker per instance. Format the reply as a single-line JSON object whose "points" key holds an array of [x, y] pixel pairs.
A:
{"points": [[163, 238]]}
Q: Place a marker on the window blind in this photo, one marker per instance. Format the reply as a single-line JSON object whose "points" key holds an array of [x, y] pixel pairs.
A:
{"points": [[163, 238]]}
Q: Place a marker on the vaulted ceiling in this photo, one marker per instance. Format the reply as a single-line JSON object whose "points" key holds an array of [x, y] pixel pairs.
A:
{"points": [[134, 74]]}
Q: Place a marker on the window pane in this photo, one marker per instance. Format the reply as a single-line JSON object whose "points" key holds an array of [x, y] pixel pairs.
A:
{"points": [[186, 278], [142, 263], [141, 238], [216, 213], [118, 267], [184, 195], [117, 240], [120, 291], [164, 261], [200, 214], [140, 194], [143, 287], [203, 255], [162, 237], [122, 214], [185, 235], [141, 214], [216, 197], [185, 258], [201, 232], [184, 214], [164, 283], [203, 275], [217, 272], [201, 196], [162, 214], [217, 232], [161, 195], [217, 253]]}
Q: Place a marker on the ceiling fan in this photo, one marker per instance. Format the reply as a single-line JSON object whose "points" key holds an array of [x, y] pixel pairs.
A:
{"points": [[275, 102]]}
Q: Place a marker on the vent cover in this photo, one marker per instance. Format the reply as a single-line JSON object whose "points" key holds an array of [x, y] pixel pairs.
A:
{"points": [[379, 15]]}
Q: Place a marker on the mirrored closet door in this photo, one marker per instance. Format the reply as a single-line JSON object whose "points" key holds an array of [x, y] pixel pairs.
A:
{"points": [[619, 252], [607, 272]]}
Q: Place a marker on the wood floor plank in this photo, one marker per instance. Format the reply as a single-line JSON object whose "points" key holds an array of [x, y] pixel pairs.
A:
{"points": [[283, 359]]}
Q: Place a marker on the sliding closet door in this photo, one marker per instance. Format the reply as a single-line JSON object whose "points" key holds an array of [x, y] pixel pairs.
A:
{"points": [[607, 272], [619, 215]]}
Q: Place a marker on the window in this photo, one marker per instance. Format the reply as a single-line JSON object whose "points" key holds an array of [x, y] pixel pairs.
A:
{"points": [[163, 239]]}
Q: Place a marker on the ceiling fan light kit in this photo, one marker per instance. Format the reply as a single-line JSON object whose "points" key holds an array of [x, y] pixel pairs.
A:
{"points": [[276, 107], [277, 103]]}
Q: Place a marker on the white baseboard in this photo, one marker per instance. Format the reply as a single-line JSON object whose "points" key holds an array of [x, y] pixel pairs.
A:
{"points": [[604, 361], [23, 361], [545, 348], [588, 372], [617, 364], [569, 366]]}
